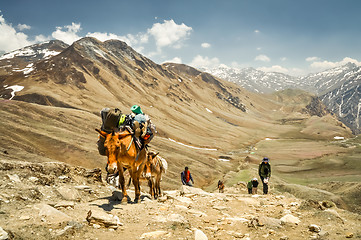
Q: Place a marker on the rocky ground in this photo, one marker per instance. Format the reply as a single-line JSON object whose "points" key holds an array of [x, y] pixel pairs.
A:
{"points": [[58, 201]]}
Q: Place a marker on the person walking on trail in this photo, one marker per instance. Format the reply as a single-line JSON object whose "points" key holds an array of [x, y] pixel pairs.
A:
{"points": [[186, 177], [220, 186], [264, 172], [252, 186]]}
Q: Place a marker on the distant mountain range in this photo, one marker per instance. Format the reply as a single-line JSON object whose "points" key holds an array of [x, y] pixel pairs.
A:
{"points": [[339, 88], [89, 65]]}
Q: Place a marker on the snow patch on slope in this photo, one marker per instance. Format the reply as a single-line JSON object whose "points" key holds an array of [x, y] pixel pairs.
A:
{"points": [[15, 88]]}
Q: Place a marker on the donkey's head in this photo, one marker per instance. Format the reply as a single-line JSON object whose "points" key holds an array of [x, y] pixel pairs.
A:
{"points": [[150, 163], [112, 149]]}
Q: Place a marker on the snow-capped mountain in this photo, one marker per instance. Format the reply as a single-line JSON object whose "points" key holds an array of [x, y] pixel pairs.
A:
{"points": [[23, 60], [255, 80], [339, 88], [37, 51], [331, 79], [344, 98]]}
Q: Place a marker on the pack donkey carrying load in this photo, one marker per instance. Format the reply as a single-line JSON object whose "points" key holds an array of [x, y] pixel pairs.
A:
{"points": [[123, 147], [140, 125]]}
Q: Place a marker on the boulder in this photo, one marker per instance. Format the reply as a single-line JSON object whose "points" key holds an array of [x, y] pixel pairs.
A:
{"points": [[153, 235], [69, 194], [14, 178], [3, 235], [314, 228], [176, 218], [64, 204], [103, 219], [199, 235], [269, 222], [349, 235], [290, 219], [51, 215], [192, 190]]}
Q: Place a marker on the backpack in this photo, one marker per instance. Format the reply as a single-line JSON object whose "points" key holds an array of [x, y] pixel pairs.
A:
{"points": [[111, 119], [143, 127]]}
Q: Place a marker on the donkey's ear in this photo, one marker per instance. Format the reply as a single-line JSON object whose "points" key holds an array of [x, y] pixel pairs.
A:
{"points": [[156, 154], [104, 134]]}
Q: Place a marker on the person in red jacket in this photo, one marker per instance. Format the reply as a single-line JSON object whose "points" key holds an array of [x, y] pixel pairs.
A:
{"points": [[186, 177]]}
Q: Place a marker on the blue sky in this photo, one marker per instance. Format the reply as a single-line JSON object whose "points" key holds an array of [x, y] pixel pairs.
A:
{"points": [[293, 37]]}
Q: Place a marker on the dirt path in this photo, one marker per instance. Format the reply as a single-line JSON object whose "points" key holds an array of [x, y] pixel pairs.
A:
{"points": [[56, 201]]}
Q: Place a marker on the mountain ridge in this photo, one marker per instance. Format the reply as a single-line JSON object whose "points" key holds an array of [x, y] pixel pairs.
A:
{"points": [[334, 86]]}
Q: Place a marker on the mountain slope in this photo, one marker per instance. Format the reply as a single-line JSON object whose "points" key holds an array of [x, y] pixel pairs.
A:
{"points": [[201, 119], [256, 80], [337, 87]]}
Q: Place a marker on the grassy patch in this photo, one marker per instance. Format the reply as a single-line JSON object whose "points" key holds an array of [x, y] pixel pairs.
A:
{"points": [[244, 175]]}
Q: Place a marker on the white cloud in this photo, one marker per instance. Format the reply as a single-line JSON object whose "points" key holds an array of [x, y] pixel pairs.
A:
{"points": [[312, 59], [200, 61], [283, 59], [256, 31], [206, 45], [259, 49], [322, 65], [262, 58], [41, 38], [22, 27], [169, 33], [275, 68], [67, 34], [174, 60], [103, 36], [10, 39]]}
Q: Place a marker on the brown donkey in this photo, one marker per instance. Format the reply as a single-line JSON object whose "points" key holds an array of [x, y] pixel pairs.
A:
{"points": [[155, 166], [123, 153]]}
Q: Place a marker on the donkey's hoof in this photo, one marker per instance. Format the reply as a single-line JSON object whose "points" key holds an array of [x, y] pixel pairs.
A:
{"points": [[125, 200], [136, 200]]}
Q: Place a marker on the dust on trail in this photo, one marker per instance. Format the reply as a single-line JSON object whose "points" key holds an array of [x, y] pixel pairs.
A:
{"points": [[57, 201]]}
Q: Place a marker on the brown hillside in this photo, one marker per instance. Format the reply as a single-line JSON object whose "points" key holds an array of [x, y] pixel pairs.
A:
{"points": [[200, 119]]}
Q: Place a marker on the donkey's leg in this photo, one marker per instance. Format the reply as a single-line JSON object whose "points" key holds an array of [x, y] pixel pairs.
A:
{"points": [[157, 185], [130, 178], [151, 187], [135, 179], [122, 183]]}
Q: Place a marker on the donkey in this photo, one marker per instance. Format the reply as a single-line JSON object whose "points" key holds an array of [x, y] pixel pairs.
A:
{"points": [[145, 176], [155, 165], [123, 153]]}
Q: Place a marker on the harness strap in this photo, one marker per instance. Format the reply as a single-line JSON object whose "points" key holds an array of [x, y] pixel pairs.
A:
{"points": [[130, 144]]}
